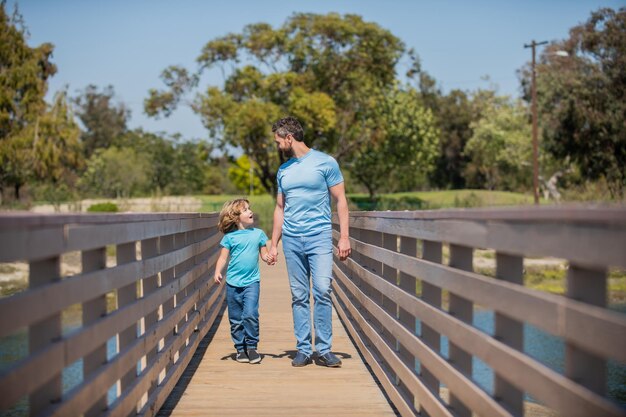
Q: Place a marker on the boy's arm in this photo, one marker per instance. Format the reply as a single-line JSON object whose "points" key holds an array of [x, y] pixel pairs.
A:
{"points": [[265, 250], [277, 229], [220, 264]]}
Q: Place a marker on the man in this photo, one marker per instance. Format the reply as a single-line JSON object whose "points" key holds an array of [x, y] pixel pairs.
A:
{"points": [[302, 216]]}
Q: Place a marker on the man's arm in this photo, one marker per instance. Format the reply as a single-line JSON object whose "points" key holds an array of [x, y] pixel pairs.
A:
{"points": [[339, 194], [277, 229]]}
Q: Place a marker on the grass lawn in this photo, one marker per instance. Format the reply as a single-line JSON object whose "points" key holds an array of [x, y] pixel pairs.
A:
{"points": [[428, 200], [263, 205]]}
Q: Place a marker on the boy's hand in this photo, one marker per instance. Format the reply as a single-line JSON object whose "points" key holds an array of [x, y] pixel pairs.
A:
{"points": [[217, 278]]}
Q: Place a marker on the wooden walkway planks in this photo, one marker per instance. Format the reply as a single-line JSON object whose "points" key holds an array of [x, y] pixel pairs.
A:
{"points": [[222, 387]]}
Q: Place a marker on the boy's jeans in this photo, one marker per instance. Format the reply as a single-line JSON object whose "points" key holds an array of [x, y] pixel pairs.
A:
{"points": [[310, 256], [243, 315]]}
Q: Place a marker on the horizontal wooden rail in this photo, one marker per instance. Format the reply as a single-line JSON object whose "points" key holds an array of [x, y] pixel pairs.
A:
{"points": [[164, 302], [379, 299]]}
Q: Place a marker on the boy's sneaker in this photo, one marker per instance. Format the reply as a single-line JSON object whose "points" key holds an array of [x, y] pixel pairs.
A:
{"points": [[300, 360], [330, 360], [254, 356], [242, 357]]}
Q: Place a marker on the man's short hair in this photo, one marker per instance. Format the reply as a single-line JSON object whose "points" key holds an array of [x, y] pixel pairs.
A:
{"points": [[289, 126]]}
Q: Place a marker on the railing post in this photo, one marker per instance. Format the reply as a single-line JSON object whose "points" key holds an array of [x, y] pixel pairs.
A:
{"points": [[150, 249], [167, 276], [93, 310], [589, 286], [408, 246], [391, 275], [355, 233], [180, 241], [366, 236], [431, 251], [43, 333], [126, 253], [461, 308], [511, 332]]}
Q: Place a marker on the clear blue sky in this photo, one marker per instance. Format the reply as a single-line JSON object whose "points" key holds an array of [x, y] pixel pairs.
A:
{"points": [[127, 43]]}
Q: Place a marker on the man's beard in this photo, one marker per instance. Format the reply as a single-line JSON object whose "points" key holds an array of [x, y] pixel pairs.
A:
{"points": [[288, 153]]}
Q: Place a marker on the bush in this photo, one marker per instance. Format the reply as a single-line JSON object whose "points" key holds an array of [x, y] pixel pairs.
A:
{"points": [[103, 207]]}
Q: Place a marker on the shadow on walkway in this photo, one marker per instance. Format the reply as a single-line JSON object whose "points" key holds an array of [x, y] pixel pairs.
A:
{"points": [[179, 389]]}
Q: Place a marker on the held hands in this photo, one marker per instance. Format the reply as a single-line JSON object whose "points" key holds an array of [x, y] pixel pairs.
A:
{"points": [[272, 256], [268, 259]]}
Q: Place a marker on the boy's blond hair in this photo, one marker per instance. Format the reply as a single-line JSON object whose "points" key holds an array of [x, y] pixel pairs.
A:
{"points": [[229, 216]]}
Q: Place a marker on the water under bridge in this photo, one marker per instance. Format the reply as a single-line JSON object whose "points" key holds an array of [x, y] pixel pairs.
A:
{"points": [[153, 336]]}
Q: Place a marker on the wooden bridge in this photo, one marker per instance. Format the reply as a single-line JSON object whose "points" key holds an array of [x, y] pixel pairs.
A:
{"points": [[154, 339]]}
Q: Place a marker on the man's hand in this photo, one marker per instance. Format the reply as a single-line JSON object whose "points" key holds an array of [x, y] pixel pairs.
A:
{"points": [[343, 248], [217, 278]]}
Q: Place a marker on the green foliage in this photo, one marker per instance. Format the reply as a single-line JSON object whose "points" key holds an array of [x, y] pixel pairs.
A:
{"points": [[386, 202], [56, 145], [262, 206], [323, 69], [581, 99], [455, 114], [103, 120], [115, 172], [176, 168], [23, 85], [242, 176], [53, 193], [500, 149], [404, 145], [192, 171], [107, 207]]}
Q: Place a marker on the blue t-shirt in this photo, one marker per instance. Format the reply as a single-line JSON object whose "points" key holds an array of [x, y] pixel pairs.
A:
{"points": [[243, 266], [305, 182]]}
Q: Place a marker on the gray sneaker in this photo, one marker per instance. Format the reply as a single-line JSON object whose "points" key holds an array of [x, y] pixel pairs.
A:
{"points": [[241, 357], [300, 360], [254, 356], [330, 360]]}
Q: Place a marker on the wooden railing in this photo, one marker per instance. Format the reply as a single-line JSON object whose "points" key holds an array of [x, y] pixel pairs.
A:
{"points": [[399, 297], [143, 315]]}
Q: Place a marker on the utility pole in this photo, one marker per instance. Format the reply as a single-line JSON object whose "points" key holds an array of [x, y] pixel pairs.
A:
{"points": [[532, 45], [250, 178]]}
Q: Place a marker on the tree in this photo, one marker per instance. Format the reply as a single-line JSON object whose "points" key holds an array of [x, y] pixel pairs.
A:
{"points": [[174, 167], [241, 175], [455, 114], [322, 69], [193, 171], [104, 121], [23, 84], [115, 172], [499, 150], [56, 146], [582, 98], [404, 146], [158, 150]]}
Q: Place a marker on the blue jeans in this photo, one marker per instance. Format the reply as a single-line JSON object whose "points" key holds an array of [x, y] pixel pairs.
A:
{"points": [[243, 315], [310, 258]]}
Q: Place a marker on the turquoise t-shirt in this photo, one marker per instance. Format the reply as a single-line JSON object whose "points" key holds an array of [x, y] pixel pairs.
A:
{"points": [[243, 266], [305, 182]]}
